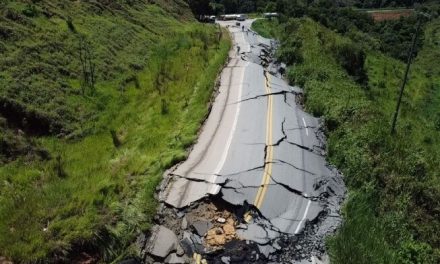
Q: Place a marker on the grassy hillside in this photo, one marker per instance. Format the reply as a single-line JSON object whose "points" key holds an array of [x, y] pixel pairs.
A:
{"points": [[266, 28], [81, 157], [392, 211]]}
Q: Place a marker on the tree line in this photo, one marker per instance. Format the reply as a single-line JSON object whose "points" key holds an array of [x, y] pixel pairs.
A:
{"points": [[216, 7]]}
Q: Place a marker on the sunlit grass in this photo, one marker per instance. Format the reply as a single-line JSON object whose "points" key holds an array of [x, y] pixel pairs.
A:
{"points": [[390, 215], [105, 190], [266, 27]]}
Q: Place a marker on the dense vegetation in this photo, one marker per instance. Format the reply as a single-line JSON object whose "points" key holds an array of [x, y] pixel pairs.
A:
{"points": [[208, 7], [216, 7], [382, 3], [97, 99], [392, 37], [392, 214]]}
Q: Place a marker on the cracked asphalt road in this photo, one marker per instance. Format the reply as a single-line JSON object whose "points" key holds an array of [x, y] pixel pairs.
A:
{"points": [[258, 150], [257, 144]]}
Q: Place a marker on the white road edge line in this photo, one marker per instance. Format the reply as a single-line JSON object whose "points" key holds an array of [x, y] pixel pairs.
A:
{"points": [[305, 125], [303, 218], [216, 188]]}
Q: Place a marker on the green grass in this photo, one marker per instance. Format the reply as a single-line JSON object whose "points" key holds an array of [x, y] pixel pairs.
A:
{"points": [[153, 89], [391, 213], [265, 27]]}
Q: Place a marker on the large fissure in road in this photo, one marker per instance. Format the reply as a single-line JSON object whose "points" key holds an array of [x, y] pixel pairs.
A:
{"points": [[256, 187]]}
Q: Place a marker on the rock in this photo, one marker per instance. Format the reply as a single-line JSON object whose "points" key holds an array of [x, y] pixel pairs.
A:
{"points": [[198, 243], [162, 242], [180, 214], [221, 220], [226, 260], [276, 245], [174, 259], [266, 250], [191, 244], [242, 226], [179, 251], [201, 227], [184, 224], [188, 246]]}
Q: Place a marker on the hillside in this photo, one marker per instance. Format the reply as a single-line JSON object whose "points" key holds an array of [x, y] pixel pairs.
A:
{"points": [[392, 211], [41, 66], [97, 99]]}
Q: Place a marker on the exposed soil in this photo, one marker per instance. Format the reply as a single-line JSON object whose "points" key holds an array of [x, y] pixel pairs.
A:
{"points": [[4, 260], [390, 15]]}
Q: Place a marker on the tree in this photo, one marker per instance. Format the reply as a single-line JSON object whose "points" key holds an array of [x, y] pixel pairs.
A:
{"points": [[200, 7], [217, 8]]}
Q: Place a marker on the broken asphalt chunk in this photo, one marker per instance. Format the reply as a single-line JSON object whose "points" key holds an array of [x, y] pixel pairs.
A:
{"points": [[201, 227], [162, 242], [191, 244], [225, 259], [193, 190]]}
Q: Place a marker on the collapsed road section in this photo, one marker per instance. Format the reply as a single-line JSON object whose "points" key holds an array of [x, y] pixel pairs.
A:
{"points": [[256, 187]]}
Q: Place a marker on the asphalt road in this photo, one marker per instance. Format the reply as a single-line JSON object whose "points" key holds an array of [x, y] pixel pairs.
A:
{"points": [[257, 147]]}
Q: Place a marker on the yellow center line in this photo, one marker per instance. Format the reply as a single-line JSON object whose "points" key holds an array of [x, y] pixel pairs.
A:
{"points": [[269, 151]]}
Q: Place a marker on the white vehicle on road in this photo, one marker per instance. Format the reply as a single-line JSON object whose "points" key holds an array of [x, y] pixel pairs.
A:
{"points": [[241, 17]]}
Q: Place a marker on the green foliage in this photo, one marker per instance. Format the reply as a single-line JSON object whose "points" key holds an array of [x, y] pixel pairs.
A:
{"points": [[352, 59], [92, 190], [217, 7], [392, 212], [380, 4], [265, 28], [417, 253], [43, 52], [361, 222], [392, 37]]}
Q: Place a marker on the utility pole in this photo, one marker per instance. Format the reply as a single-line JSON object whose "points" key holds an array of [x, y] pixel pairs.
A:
{"points": [[405, 79]]}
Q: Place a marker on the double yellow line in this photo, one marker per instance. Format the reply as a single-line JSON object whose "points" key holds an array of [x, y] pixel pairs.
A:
{"points": [[269, 151], [197, 258]]}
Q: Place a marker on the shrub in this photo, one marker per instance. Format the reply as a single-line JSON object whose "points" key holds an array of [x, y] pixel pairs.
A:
{"points": [[352, 59], [30, 11]]}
